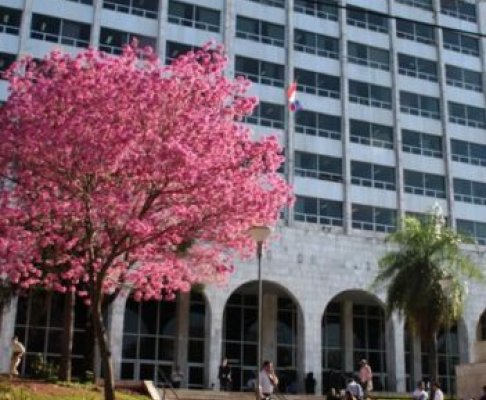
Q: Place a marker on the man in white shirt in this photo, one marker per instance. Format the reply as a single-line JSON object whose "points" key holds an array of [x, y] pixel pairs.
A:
{"points": [[18, 351], [420, 393], [268, 380], [438, 394]]}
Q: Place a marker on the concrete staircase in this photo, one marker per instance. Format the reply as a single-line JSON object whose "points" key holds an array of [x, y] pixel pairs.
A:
{"points": [[185, 394]]}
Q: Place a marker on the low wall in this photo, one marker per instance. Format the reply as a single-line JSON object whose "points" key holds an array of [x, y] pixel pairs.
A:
{"points": [[470, 380]]}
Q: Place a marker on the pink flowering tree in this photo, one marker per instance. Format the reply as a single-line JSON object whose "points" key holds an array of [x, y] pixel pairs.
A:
{"points": [[119, 172]]}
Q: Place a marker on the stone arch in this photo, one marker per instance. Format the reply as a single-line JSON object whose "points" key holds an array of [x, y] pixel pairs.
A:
{"points": [[283, 333], [354, 327]]}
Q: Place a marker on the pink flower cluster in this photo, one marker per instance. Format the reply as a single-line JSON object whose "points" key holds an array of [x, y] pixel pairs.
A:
{"points": [[122, 172]]}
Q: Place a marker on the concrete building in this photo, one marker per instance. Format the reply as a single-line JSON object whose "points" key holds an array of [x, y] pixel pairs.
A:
{"points": [[393, 121]]}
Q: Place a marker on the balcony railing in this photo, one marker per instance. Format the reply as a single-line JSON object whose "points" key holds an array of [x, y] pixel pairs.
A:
{"points": [[260, 38], [191, 23], [129, 9], [69, 41], [9, 29]]}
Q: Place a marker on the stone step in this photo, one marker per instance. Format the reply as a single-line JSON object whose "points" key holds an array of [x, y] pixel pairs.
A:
{"points": [[184, 394]]}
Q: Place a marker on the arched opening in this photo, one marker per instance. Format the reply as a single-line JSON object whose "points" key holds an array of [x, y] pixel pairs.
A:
{"points": [[417, 359], [481, 328], [353, 329], [281, 344], [39, 326], [160, 335]]}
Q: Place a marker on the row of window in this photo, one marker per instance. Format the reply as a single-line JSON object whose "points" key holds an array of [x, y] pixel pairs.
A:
{"points": [[330, 212], [322, 167], [325, 46], [455, 8]]}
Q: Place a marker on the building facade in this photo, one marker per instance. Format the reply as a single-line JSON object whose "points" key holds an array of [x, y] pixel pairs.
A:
{"points": [[393, 121]]}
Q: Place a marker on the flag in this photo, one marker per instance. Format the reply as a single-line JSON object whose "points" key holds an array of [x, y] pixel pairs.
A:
{"points": [[294, 104]]}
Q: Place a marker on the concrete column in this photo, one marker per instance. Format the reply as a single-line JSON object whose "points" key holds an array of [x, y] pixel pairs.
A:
{"points": [[289, 135], [347, 321], [446, 142], [116, 319], [96, 26], [162, 32], [25, 27], [465, 336], [269, 339], [395, 353], [312, 347], [182, 341], [7, 330], [416, 350], [346, 160], [229, 27], [215, 337], [397, 123]]}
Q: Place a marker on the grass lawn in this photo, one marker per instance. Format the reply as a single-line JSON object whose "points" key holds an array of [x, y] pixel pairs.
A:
{"points": [[37, 390]]}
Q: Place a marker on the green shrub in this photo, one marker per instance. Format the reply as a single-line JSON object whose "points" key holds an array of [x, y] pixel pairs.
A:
{"points": [[45, 370]]}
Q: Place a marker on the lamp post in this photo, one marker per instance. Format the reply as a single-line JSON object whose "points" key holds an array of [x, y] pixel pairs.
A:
{"points": [[259, 234]]}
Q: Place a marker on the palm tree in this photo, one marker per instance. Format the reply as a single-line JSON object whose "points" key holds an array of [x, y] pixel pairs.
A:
{"points": [[425, 278]]}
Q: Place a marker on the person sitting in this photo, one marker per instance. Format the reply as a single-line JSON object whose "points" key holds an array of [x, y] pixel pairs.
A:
{"points": [[354, 388]]}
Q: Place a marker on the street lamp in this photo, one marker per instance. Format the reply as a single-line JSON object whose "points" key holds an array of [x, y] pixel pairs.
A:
{"points": [[259, 234]]}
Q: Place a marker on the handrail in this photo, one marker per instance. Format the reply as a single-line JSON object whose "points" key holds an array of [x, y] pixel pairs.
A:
{"points": [[167, 384]]}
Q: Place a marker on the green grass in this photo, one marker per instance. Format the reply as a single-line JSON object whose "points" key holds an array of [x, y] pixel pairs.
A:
{"points": [[62, 391]]}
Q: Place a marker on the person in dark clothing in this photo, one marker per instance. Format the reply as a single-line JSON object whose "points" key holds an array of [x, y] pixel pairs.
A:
{"points": [[224, 376], [310, 383], [483, 397]]}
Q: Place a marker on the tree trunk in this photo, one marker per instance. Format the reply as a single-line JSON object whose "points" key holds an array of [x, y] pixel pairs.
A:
{"points": [[67, 337], [433, 370], [105, 353]]}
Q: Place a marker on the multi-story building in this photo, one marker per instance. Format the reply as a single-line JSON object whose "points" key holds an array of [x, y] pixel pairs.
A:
{"points": [[393, 121]]}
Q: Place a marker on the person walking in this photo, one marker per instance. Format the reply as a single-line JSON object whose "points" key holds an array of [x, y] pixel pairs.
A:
{"points": [[224, 376], [176, 377], [268, 380], [354, 388], [365, 377], [18, 351], [420, 393], [310, 383], [438, 394]]}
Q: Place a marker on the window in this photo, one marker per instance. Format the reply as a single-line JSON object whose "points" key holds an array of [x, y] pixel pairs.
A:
{"points": [[417, 67], [469, 153], [314, 43], [258, 71], [194, 16], [470, 191], [318, 211], [268, 114], [423, 4], [415, 31], [424, 184], [332, 343], [174, 50], [10, 19], [140, 8], [372, 175], [149, 339], [6, 60], [112, 41], [319, 84], [463, 114], [461, 43], [464, 78], [415, 104], [196, 341], [325, 9], [60, 31], [472, 228], [421, 143], [369, 94], [370, 218], [316, 166], [317, 124], [271, 3], [459, 8], [39, 326], [367, 20], [369, 56], [260, 31], [370, 134]]}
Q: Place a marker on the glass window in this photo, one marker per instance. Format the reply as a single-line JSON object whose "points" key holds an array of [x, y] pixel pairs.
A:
{"points": [[10, 19], [6, 60], [415, 31]]}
